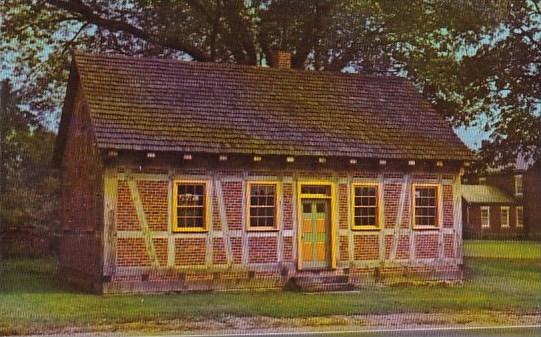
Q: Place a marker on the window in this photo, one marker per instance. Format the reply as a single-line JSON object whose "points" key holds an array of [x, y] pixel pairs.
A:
{"points": [[504, 215], [519, 185], [262, 206], [365, 207], [520, 216], [485, 217], [190, 206], [425, 206], [324, 190]]}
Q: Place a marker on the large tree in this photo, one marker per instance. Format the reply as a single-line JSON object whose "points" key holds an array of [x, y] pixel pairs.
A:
{"points": [[458, 52], [28, 188]]}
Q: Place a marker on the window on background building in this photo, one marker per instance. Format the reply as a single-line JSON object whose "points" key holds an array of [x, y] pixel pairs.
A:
{"points": [[520, 216], [365, 207], [504, 215], [425, 212], [190, 206], [485, 217], [519, 185], [262, 206]]}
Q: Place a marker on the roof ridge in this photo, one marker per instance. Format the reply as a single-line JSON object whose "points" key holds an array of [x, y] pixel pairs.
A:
{"points": [[386, 76]]}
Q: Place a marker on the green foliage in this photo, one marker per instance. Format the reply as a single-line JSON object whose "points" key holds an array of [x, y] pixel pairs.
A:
{"points": [[474, 60], [27, 188]]}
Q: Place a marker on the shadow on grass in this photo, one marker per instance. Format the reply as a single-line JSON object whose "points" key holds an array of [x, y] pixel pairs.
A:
{"points": [[27, 276]]}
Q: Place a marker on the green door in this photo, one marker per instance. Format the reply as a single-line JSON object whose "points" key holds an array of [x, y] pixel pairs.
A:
{"points": [[315, 236]]}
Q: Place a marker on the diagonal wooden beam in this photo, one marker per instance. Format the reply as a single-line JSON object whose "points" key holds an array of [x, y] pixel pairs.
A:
{"points": [[401, 206], [223, 219], [151, 250]]}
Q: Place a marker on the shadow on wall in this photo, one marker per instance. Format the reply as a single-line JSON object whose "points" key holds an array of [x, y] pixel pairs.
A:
{"points": [[28, 241]]}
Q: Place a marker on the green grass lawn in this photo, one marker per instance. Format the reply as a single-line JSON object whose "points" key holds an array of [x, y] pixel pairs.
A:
{"points": [[503, 249], [31, 298]]}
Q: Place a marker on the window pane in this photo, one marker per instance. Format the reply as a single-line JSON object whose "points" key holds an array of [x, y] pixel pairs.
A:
{"points": [[262, 205], [191, 205], [426, 206], [365, 206], [316, 189]]}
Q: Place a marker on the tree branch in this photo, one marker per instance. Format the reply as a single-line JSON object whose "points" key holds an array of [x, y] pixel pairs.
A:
{"points": [[88, 14]]}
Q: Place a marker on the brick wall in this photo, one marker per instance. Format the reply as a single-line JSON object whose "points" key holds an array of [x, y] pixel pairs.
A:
{"points": [[190, 251], [154, 197], [343, 207], [391, 200], [366, 247], [448, 216], [262, 250], [426, 246], [287, 206], [232, 193], [81, 201], [126, 215]]}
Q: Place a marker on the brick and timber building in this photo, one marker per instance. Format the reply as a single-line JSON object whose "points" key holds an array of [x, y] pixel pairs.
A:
{"points": [[181, 176]]}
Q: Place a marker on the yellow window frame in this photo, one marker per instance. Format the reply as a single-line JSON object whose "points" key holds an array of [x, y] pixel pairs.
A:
{"points": [[379, 209], [438, 206], [277, 203], [206, 209]]}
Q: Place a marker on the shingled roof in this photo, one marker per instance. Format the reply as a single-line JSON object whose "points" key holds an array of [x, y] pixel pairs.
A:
{"points": [[487, 194], [153, 104]]}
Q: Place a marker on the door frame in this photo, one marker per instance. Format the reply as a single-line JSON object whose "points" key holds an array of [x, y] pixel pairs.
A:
{"points": [[332, 224]]}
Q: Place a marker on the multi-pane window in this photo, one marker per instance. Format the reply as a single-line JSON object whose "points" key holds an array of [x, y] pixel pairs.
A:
{"points": [[504, 215], [519, 185], [520, 216], [190, 206], [485, 216], [365, 207], [426, 206], [262, 210]]}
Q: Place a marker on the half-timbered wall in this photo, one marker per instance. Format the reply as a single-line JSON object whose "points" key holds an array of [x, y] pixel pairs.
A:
{"points": [[140, 243]]}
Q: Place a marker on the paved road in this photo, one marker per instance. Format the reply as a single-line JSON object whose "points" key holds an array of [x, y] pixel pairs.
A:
{"points": [[471, 332], [496, 332]]}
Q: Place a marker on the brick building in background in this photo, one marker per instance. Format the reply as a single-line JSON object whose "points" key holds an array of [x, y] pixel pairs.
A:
{"points": [[505, 202], [182, 175]]}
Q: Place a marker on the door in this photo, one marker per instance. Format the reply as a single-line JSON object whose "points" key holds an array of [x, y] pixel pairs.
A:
{"points": [[315, 236]]}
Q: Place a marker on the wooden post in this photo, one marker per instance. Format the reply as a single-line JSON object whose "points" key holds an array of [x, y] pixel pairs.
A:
{"points": [[381, 215], [209, 260], [351, 242], [441, 241], [110, 184], [170, 236], [457, 215]]}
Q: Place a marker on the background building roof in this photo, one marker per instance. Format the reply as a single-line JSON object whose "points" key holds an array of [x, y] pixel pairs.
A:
{"points": [[485, 194]]}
